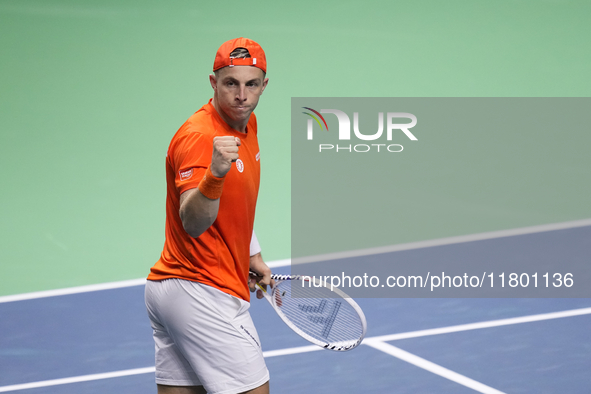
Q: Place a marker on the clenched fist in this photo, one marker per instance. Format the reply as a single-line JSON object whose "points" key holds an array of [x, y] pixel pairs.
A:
{"points": [[225, 152]]}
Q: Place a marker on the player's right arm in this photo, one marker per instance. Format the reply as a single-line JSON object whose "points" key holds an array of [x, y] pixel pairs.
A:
{"points": [[198, 212]]}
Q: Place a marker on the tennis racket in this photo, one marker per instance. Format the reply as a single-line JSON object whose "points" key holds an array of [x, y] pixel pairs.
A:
{"points": [[327, 318]]}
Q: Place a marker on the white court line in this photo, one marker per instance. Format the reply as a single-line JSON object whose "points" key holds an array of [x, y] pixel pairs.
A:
{"points": [[279, 263], [73, 290], [137, 371], [484, 324], [324, 257], [444, 241], [100, 286], [311, 348], [431, 367], [291, 350], [77, 379]]}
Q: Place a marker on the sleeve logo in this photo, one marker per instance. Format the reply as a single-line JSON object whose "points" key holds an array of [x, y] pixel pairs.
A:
{"points": [[186, 174]]}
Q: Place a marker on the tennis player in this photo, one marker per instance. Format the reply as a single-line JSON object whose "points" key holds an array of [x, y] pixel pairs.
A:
{"points": [[197, 294]]}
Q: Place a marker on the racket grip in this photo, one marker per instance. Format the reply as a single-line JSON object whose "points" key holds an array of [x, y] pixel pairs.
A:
{"points": [[258, 276]]}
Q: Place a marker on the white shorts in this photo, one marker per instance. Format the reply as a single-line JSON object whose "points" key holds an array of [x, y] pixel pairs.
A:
{"points": [[204, 337]]}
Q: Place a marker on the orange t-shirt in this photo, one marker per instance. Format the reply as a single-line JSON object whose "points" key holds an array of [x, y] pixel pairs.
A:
{"points": [[220, 257]]}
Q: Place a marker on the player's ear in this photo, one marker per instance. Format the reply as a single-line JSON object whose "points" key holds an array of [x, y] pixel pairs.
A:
{"points": [[213, 81], [265, 82]]}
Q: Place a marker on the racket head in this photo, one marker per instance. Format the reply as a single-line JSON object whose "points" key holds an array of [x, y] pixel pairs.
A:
{"points": [[328, 318]]}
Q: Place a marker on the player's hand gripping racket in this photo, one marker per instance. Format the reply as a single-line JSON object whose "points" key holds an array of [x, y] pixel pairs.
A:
{"points": [[327, 318]]}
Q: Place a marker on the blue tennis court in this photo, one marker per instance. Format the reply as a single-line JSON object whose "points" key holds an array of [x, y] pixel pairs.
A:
{"points": [[100, 341]]}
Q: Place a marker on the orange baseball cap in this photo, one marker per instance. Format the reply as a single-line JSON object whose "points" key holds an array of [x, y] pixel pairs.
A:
{"points": [[257, 55]]}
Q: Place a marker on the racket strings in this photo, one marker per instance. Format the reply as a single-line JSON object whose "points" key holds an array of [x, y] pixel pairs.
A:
{"points": [[317, 312]]}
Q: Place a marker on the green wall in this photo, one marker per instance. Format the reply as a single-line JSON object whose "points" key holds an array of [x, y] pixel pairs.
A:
{"points": [[92, 92]]}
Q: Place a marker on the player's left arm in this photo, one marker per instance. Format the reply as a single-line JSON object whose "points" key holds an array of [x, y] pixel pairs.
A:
{"points": [[258, 266]]}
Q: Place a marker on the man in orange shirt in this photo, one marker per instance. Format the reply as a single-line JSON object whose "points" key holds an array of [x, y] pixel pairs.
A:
{"points": [[197, 293]]}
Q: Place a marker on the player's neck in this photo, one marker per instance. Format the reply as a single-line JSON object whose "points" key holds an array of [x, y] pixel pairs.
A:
{"points": [[236, 125]]}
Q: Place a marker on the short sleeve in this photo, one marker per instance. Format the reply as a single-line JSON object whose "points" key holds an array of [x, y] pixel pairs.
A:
{"points": [[190, 158], [255, 247]]}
